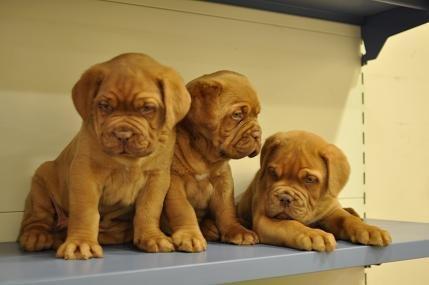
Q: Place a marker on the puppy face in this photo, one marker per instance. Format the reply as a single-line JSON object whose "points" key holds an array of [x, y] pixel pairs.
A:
{"points": [[130, 102], [128, 112], [225, 109], [302, 176]]}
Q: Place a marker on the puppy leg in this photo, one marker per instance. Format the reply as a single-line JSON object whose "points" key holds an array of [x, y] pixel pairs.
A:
{"points": [[223, 210], [83, 224], [293, 234], [59, 238], [209, 229], [39, 214], [353, 212], [115, 232], [115, 237], [116, 227], [346, 226], [182, 219], [147, 233]]}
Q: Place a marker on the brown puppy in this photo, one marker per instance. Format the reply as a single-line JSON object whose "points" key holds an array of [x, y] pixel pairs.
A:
{"points": [[118, 163], [221, 124], [296, 189]]}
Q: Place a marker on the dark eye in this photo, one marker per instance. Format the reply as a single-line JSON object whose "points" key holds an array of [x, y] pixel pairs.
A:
{"points": [[147, 109], [272, 171], [310, 179], [238, 115], [105, 107]]}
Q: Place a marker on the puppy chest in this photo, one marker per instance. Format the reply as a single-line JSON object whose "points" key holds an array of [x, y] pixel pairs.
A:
{"points": [[199, 193], [122, 188]]}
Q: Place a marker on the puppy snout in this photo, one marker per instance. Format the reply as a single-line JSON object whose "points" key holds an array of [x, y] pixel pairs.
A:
{"points": [[285, 199], [123, 135], [254, 153], [256, 134]]}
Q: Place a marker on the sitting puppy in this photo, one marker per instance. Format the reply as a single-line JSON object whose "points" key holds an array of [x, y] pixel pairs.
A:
{"points": [[221, 125], [116, 167], [296, 189]]}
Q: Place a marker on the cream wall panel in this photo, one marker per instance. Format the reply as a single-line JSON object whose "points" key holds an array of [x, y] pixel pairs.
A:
{"points": [[40, 125], [307, 78], [413, 272], [397, 99], [9, 223], [349, 276], [250, 15], [355, 203]]}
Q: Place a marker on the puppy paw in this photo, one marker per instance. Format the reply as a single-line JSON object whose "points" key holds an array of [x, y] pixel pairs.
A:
{"points": [[79, 249], [189, 241], [154, 243], [315, 239], [36, 240], [210, 230], [237, 234], [369, 235]]}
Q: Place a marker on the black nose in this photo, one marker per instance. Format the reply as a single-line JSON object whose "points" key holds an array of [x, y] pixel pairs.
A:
{"points": [[285, 199], [123, 135], [253, 154]]}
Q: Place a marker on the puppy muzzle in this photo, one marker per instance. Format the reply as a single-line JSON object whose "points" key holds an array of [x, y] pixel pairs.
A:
{"points": [[125, 140], [286, 202], [246, 141]]}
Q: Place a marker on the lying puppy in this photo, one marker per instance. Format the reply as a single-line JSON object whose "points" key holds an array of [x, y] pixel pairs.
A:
{"points": [[118, 163], [221, 125], [296, 189]]}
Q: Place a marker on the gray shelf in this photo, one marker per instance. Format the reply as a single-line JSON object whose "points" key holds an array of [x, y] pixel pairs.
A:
{"points": [[219, 264], [351, 11]]}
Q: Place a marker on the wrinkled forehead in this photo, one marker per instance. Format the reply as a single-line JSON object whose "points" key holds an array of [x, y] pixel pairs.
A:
{"points": [[129, 84], [239, 91], [292, 157]]}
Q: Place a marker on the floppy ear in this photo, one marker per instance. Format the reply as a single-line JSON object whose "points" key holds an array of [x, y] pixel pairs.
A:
{"points": [[85, 90], [270, 144], [205, 102], [176, 98], [338, 168]]}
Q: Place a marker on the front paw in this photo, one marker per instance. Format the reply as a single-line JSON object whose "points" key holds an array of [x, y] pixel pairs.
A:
{"points": [[154, 243], [189, 241], [36, 240], [315, 239], [237, 234], [79, 249], [369, 235]]}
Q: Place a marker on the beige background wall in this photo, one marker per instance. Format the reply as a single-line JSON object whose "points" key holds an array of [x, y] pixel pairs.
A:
{"points": [[397, 140]]}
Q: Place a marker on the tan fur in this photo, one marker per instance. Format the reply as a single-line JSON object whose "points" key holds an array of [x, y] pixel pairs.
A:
{"points": [[116, 171], [201, 188], [295, 192]]}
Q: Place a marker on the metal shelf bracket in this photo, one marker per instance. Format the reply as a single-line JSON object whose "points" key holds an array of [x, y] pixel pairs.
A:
{"points": [[378, 28]]}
